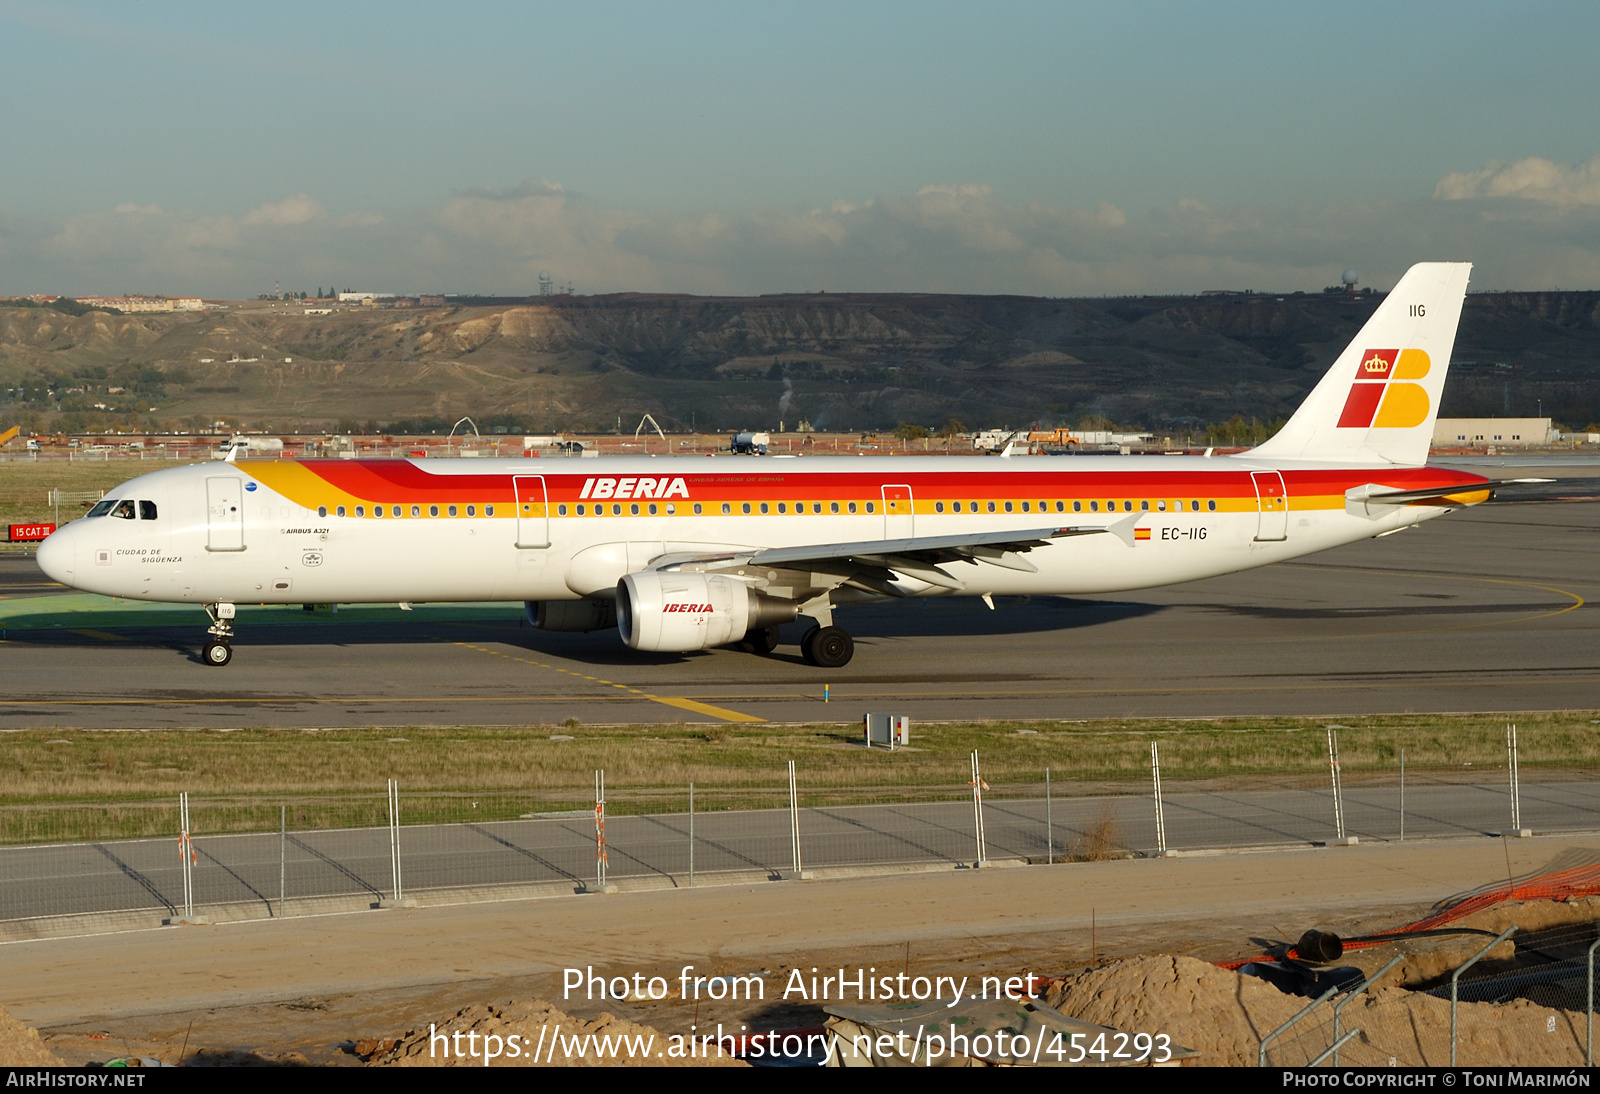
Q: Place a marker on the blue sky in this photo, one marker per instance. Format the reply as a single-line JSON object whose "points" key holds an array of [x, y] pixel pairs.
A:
{"points": [[1051, 149]]}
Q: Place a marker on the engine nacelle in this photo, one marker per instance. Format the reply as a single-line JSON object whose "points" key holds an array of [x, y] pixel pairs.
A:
{"points": [[571, 615], [674, 612]]}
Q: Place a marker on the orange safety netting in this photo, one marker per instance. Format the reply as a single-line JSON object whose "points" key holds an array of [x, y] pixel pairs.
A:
{"points": [[1580, 881]]}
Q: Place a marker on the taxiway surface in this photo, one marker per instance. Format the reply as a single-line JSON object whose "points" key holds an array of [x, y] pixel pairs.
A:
{"points": [[1488, 609]]}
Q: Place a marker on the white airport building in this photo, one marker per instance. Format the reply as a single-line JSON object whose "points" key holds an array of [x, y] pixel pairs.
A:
{"points": [[1501, 432]]}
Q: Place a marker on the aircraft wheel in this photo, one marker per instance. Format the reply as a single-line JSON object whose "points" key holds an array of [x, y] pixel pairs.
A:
{"points": [[828, 647], [762, 641], [217, 653]]}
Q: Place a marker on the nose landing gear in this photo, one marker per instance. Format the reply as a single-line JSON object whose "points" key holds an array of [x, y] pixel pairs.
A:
{"points": [[218, 649]]}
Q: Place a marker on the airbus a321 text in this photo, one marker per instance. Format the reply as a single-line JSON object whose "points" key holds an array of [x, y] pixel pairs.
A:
{"points": [[690, 554]]}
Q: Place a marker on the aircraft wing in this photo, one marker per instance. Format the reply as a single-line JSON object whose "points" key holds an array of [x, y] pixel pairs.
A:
{"points": [[874, 564]]}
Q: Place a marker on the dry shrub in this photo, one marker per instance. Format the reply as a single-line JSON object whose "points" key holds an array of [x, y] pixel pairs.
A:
{"points": [[1101, 839]]}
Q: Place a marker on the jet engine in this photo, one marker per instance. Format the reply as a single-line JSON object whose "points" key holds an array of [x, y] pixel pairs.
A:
{"points": [[571, 615], [676, 612]]}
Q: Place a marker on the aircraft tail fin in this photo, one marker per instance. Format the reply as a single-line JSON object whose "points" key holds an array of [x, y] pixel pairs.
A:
{"points": [[1378, 402]]}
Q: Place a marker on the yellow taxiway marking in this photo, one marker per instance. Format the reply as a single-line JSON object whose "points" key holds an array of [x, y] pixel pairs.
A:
{"points": [[667, 700]]}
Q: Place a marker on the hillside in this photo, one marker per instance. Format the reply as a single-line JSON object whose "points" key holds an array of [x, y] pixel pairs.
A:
{"points": [[842, 362]]}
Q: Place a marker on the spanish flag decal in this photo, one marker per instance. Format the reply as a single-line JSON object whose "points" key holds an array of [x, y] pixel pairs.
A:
{"points": [[1141, 533]]}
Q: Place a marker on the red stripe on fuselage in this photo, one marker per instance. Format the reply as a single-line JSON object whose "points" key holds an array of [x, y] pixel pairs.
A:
{"points": [[404, 481]]}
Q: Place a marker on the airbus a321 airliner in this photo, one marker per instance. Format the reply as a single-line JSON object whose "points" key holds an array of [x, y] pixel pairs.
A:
{"points": [[690, 554]]}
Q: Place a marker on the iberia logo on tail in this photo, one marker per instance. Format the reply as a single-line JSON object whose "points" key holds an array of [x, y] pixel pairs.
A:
{"points": [[1378, 400]]}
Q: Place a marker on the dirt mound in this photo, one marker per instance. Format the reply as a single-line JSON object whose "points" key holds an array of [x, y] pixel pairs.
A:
{"points": [[1224, 1015], [523, 1034], [20, 1045]]}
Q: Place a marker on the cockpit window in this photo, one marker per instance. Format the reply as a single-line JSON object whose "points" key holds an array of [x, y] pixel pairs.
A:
{"points": [[124, 510], [147, 510], [101, 508]]}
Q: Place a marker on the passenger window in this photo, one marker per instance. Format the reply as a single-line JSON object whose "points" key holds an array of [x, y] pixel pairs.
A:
{"points": [[671, 509], [652, 509], [394, 511], [697, 509], [416, 510], [488, 510], [361, 510], [869, 507], [633, 508], [852, 507], [1061, 506], [726, 508], [816, 507], [1195, 506], [1025, 508], [1008, 507], [340, 510], [833, 507], [561, 511], [1077, 507], [745, 507], [322, 510], [147, 510], [763, 507], [1161, 506], [616, 509], [938, 507], [1212, 506], [1127, 507], [101, 508], [377, 511], [991, 507], [1094, 507], [1144, 506], [452, 510], [433, 510], [782, 508], [472, 510]]}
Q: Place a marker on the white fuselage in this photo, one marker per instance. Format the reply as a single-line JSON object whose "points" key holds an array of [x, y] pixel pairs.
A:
{"points": [[271, 531]]}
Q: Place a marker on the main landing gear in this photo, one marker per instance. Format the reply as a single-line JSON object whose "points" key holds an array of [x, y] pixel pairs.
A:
{"points": [[218, 649], [827, 647]]}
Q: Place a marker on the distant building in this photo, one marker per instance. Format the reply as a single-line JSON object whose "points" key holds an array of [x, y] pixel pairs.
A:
{"points": [[1503, 432], [145, 303], [431, 300], [363, 297]]}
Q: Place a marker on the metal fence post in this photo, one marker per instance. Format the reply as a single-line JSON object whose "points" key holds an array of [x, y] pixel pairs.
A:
{"points": [[794, 821], [186, 855], [1049, 826], [394, 840], [1338, 799], [1402, 795], [1511, 771], [1455, 979], [978, 787], [600, 858], [1161, 815], [691, 835], [1588, 1007], [283, 842]]}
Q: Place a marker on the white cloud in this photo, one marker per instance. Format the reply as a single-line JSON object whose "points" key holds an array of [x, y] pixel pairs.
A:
{"points": [[1533, 178], [961, 237], [291, 210]]}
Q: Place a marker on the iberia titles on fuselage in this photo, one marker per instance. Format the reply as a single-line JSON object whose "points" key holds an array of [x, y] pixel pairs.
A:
{"points": [[687, 554]]}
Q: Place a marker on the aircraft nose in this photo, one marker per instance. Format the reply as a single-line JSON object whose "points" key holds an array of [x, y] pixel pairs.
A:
{"points": [[57, 556]]}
